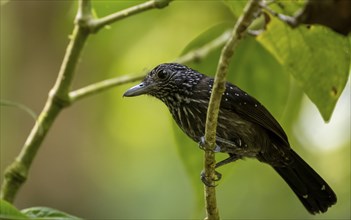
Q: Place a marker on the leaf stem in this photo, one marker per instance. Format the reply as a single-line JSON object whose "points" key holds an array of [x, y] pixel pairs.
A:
{"points": [[251, 11]]}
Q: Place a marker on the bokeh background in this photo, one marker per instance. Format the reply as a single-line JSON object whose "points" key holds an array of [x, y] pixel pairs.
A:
{"points": [[108, 157]]}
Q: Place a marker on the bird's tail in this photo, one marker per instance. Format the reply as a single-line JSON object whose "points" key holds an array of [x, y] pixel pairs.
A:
{"points": [[314, 193]]}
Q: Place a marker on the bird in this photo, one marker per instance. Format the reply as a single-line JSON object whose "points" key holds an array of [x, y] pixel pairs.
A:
{"points": [[245, 128]]}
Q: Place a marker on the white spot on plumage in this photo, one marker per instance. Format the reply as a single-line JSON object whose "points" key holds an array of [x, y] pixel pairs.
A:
{"points": [[180, 118], [185, 112], [191, 113], [178, 97]]}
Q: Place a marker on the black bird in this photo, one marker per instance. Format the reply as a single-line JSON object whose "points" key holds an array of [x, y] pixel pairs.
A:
{"points": [[245, 128]]}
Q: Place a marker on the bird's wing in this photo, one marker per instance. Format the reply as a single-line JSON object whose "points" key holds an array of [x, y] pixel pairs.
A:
{"points": [[250, 109]]}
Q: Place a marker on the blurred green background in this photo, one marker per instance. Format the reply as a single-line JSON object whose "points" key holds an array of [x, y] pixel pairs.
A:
{"points": [[112, 157]]}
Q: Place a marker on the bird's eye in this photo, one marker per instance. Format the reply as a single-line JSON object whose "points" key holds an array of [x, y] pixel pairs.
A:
{"points": [[163, 74]]}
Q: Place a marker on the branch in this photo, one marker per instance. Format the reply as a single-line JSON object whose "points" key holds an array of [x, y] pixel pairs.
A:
{"points": [[199, 53], [59, 96], [251, 10], [194, 55], [96, 24], [291, 21], [17, 172], [102, 86]]}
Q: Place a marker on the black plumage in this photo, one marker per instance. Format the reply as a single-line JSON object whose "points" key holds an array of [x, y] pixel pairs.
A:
{"points": [[245, 128]]}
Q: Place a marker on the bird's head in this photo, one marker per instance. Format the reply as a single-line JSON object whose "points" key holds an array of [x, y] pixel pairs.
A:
{"points": [[166, 81]]}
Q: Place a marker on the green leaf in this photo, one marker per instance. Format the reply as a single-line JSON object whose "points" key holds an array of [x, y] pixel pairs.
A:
{"points": [[316, 57], [46, 213], [236, 7], [8, 211]]}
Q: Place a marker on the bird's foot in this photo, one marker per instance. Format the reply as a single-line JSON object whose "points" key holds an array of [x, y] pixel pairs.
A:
{"points": [[202, 145], [208, 182]]}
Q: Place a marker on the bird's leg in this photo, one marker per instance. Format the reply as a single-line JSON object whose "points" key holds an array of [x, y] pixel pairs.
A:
{"points": [[231, 158], [206, 182], [202, 174]]}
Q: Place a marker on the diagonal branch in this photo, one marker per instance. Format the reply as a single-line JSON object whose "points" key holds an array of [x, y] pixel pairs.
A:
{"points": [[251, 11], [193, 55], [96, 24], [59, 96], [98, 87]]}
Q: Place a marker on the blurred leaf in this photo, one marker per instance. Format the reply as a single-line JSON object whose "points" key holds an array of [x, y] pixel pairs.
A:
{"points": [[236, 7], [257, 72], [208, 65], [8, 211], [318, 58], [46, 213], [287, 7]]}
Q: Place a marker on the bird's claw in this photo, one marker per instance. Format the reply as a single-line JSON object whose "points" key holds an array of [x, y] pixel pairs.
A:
{"points": [[207, 182], [202, 145]]}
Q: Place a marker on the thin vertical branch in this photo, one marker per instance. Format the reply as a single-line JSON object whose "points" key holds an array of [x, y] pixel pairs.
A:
{"points": [[251, 10]]}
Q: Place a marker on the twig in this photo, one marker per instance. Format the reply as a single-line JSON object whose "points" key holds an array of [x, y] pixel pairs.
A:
{"points": [[291, 21], [102, 86], [96, 24], [59, 96], [250, 12], [17, 172], [196, 54], [203, 51]]}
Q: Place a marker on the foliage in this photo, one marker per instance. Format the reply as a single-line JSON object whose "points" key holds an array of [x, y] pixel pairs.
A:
{"points": [[9, 212], [112, 146], [302, 51]]}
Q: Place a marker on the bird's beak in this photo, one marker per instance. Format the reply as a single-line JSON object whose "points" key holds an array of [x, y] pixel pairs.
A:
{"points": [[139, 89]]}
